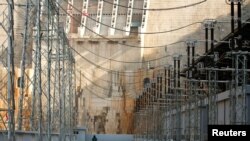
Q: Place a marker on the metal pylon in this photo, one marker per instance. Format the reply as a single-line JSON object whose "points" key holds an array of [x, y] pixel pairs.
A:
{"points": [[22, 67], [11, 73], [238, 88], [212, 96]]}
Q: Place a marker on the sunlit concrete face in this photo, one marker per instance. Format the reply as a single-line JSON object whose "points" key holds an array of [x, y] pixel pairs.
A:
{"points": [[188, 16], [195, 11], [107, 84], [106, 74], [106, 93]]}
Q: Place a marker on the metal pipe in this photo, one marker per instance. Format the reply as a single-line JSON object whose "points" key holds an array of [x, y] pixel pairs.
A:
{"points": [[188, 60], [154, 91], [232, 23], [165, 81], [206, 39], [179, 74], [239, 24], [169, 75], [160, 83], [174, 73], [157, 87], [212, 40], [148, 96], [193, 60], [193, 54]]}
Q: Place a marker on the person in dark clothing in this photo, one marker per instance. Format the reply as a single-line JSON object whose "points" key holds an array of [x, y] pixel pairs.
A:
{"points": [[94, 138]]}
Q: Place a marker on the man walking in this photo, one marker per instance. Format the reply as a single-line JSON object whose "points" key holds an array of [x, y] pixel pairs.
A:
{"points": [[94, 138]]}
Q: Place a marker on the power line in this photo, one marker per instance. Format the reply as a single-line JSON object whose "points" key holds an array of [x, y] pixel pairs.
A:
{"points": [[103, 88], [159, 32], [129, 62], [127, 45], [98, 66], [86, 88], [109, 70], [158, 9], [117, 83]]}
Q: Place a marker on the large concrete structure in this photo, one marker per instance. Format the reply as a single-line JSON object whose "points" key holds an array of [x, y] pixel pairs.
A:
{"points": [[97, 31]]}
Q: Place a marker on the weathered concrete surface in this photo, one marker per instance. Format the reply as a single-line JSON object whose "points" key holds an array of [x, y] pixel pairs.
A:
{"points": [[105, 107], [95, 80], [166, 20]]}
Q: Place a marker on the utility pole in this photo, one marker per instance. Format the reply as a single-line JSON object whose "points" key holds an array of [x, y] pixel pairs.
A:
{"points": [[191, 89], [232, 23], [212, 94], [62, 94], [70, 92], [38, 70], [177, 94]]}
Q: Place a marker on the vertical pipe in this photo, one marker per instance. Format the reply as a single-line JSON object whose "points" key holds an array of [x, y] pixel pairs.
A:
{"points": [[232, 17], [188, 61], [145, 99], [153, 111], [169, 81], [178, 92], [188, 56], [154, 91], [193, 54], [239, 15], [160, 83], [212, 39], [148, 96], [139, 103], [206, 39], [165, 81], [179, 74], [239, 24], [151, 93], [193, 61], [158, 87], [179, 98], [232, 23], [174, 73], [142, 99], [136, 105]]}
